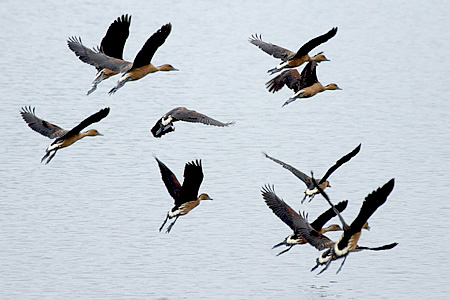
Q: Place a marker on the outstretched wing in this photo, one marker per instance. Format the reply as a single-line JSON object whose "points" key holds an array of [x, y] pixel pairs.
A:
{"points": [[271, 49], [193, 177], [290, 78], [96, 58], [114, 40], [281, 209], [306, 48], [43, 127], [308, 76], [187, 115], [327, 215], [316, 239], [302, 176], [88, 121], [369, 206], [147, 51], [340, 162], [170, 180]]}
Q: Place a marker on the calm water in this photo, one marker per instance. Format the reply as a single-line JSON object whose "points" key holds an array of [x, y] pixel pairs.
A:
{"points": [[86, 225]]}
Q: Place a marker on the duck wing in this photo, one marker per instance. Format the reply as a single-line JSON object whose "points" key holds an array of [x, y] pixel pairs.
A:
{"points": [[306, 48], [281, 209], [308, 76], [340, 162], [369, 206], [327, 215], [86, 122], [271, 49], [41, 126], [97, 58], [290, 78], [147, 51], [193, 177], [114, 40], [171, 182], [187, 115], [299, 174]]}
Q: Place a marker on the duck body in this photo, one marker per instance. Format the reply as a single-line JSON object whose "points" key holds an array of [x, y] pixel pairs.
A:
{"points": [[309, 85], [165, 123], [297, 222], [291, 59], [63, 138], [185, 196], [112, 46], [348, 241], [311, 187]]}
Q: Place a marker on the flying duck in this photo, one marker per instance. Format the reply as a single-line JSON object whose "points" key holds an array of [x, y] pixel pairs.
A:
{"points": [[111, 45], [349, 239], [63, 138], [309, 84], [141, 65], [289, 216], [311, 190], [185, 195], [289, 58], [165, 123]]}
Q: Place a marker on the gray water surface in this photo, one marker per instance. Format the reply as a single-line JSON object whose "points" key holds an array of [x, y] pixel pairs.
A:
{"points": [[86, 225]]}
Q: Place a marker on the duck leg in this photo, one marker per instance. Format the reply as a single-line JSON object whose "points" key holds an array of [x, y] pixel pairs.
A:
{"points": [[326, 266], [51, 156], [286, 250], [96, 81], [304, 198], [171, 225], [167, 217], [345, 257], [279, 244], [45, 156], [120, 84]]}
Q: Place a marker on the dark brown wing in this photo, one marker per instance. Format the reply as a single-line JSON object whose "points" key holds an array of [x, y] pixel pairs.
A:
{"points": [[187, 115], [43, 127], [316, 239], [271, 49], [308, 76], [290, 78], [281, 209], [327, 215], [146, 53], [306, 48], [86, 122], [369, 206], [193, 177], [299, 174], [114, 40], [170, 180], [96, 58], [340, 162]]}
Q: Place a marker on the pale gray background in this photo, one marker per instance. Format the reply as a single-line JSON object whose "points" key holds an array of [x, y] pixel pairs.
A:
{"points": [[86, 225]]}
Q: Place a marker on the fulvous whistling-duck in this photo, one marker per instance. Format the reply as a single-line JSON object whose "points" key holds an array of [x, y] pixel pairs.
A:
{"points": [[165, 123], [289, 58], [64, 138], [185, 195], [141, 65], [349, 239], [289, 216], [310, 85], [311, 190], [111, 45]]}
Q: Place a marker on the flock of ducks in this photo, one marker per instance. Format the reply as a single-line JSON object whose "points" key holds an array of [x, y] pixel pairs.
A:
{"points": [[108, 60]]}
